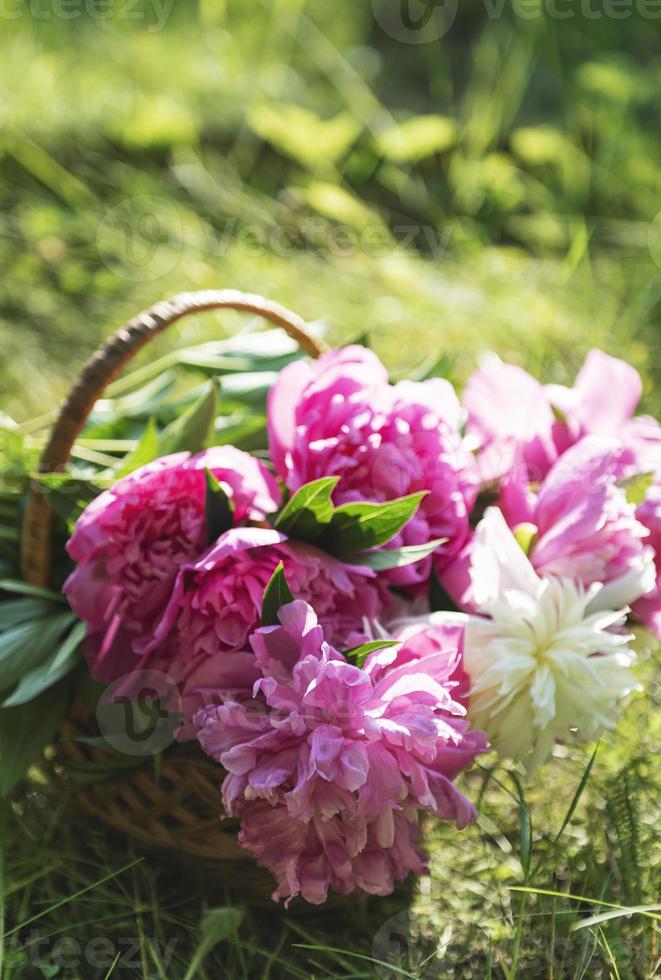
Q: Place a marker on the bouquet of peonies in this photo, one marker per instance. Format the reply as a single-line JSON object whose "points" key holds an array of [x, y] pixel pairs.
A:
{"points": [[344, 622]]}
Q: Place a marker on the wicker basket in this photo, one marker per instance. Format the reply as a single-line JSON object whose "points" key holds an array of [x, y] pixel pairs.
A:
{"points": [[178, 808]]}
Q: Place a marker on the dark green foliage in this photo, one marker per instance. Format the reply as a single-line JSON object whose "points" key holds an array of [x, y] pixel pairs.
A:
{"points": [[277, 594], [219, 509], [356, 527], [309, 510], [358, 655]]}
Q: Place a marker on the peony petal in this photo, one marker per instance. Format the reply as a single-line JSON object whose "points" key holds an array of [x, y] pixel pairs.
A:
{"points": [[608, 392]]}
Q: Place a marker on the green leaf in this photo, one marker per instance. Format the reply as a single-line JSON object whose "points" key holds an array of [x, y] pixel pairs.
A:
{"points": [[417, 138], [12, 442], [436, 366], [357, 526], [359, 654], [24, 588], [15, 611], [265, 350], [145, 452], [636, 487], [247, 432], [219, 509], [217, 925], [342, 206], [314, 142], [558, 414], [91, 772], [645, 910], [277, 594], [191, 430], [525, 827], [362, 340], [385, 559], [629, 910], [58, 665], [94, 741], [24, 646], [307, 513], [26, 730], [126, 401], [3, 892], [89, 691], [250, 388]]}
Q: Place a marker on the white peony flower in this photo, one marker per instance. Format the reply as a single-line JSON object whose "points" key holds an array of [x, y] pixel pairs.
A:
{"points": [[545, 659]]}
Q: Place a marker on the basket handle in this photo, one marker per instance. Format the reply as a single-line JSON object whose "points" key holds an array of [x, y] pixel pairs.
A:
{"points": [[100, 370]]}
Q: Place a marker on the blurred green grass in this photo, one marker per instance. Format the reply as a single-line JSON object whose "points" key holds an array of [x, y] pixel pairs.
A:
{"points": [[496, 189]]}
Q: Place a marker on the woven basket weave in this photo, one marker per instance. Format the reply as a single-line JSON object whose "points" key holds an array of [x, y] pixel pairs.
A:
{"points": [[178, 808]]}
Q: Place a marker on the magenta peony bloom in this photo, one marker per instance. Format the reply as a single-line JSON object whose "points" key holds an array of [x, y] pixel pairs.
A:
{"points": [[337, 760], [648, 607], [577, 524], [639, 461], [131, 541], [582, 526], [514, 418], [217, 600], [339, 416]]}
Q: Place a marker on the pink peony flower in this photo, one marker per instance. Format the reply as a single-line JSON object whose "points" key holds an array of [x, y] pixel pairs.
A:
{"points": [[509, 414], [337, 760], [581, 524], [512, 416], [347, 855], [339, 416], [216, 604], [131, 541], [639, 461], [603, 399], [640, 441], [648, 608], [577, 524]]}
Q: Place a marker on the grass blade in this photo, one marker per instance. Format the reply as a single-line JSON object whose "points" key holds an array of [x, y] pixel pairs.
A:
{"points": [[577, 795], [358, 956], [627, 910], [71, 898]]}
